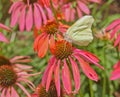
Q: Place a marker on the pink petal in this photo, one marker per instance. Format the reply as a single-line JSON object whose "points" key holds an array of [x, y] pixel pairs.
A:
{"points": [[72, 17], [49, 78], [76, 74], [57, 78], [117, 41], [115, 74], [24, 90], [42, 13], [29, 19], [4, 27], [14, 93], [89, 72], [15, 15], [79, 12], [117, 28], [3, 92], [66, 78], [49, 12], [45, 75], [116, 65], [14, 6], [22, 19], [83, 7], [96, 1], [88, 59], [67, 14], [8, 94], [37, 17], [113, 24], [3, 38]]}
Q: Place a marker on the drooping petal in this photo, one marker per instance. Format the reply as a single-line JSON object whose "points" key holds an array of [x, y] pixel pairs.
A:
{"points": [[44, 47], [72, 17], [45, 75], [14, 6], [113, 24], [117, 41], [57, 78], [38, 40], [29, 19], [50, 14], [115, 74], [96, 1], [22, 19], [117, 28], [37, 17], [83, 7], [3, 93], [8, 94], [24, 90], [4, 27], [83, 55], [3, 38], [52, 43], [67, 13], [89, 72], [49, 78], [116, 65], [76, 74], [14, 93], [15, 15], [79, 12], [66, 78], [42, 13]]}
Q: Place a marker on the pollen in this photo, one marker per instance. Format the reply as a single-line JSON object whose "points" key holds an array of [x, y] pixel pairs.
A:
{"points": [[51, 27], [62, 49], [7, 76], [31, 1]]}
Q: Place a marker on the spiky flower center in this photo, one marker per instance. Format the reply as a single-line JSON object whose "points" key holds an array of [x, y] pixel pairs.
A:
{"points": [[7, 76], [62, 49], [51, 27], [4, 61], [30, 1], [51, 92]]}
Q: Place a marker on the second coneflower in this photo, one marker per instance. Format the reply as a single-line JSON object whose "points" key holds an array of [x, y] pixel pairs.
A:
{"points": [[49, 33], [66, 56]]}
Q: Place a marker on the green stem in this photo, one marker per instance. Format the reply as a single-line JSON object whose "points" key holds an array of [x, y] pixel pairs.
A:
{"points": [[91, 90], [118, 55], [80, 94], [104, 76]]}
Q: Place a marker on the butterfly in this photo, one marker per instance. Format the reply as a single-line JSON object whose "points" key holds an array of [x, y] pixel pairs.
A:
{"points": [[80, 32]]}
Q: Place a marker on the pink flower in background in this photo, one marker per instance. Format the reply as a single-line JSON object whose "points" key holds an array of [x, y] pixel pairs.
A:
{"points": [[29, 12], [72, 7], [116, 72], [65, 56], [2, 37], [18, 62], [49, 33], [114, 29], [10, 79]]}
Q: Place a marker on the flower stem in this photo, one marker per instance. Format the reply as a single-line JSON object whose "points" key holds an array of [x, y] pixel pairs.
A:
{"points": [[118, 55], [91, 90], [104, 75]]}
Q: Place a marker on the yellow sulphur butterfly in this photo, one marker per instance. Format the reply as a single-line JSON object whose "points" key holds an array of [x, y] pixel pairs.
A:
{"points": [[80, 32]]}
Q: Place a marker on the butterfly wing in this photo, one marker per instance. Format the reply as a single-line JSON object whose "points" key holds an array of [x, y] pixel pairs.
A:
{"points": [[80, 32]]}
